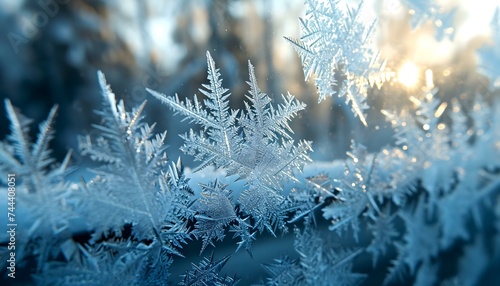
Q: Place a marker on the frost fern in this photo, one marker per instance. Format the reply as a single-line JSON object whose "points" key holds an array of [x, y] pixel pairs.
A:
{"points": [[255, 144]]}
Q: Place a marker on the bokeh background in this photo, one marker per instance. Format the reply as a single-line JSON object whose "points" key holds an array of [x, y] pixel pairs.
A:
{"points": [[51, 50]]}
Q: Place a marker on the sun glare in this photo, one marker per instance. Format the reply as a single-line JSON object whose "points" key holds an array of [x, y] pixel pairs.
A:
{"points": [[408, 74]]}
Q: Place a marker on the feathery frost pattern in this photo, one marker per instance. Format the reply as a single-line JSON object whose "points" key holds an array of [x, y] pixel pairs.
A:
{"points": [[429, 202], [135, 183], [255, 144], [442, 163], [455, 165], [120, 262], [337, 48], [41, 194], [215, 213], [318, 264], [207, 272]]}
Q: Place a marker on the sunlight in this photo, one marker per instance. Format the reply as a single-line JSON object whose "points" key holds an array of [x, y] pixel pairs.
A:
{"points": [[408, 74]]}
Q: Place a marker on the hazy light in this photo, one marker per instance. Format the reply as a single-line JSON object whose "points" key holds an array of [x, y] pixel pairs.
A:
{"points": [[408, 74], [394, 6], [440, 109], [415, 101], [429, 78]]}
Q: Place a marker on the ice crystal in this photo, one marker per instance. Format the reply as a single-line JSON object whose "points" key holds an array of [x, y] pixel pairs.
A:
{"points": [[336, 46], [318, 264], [134, 183], [255, 144], [215, 213], [207, 272], [39, 208]]}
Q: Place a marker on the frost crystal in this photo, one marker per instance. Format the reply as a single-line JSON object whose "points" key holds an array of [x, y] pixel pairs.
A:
{"points": [[318, 264], [208, 273], [134, 184], [41, 196], [215, 212], [255, 144], [337, 46]]}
